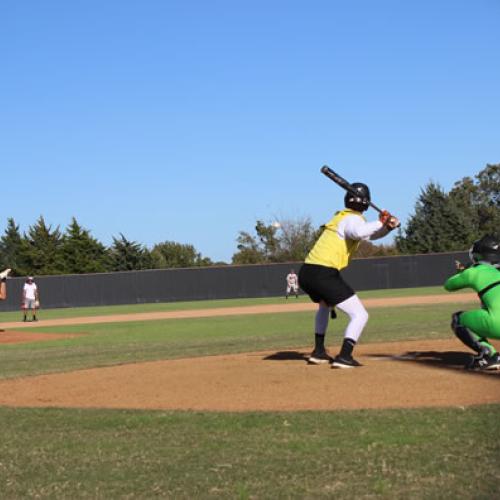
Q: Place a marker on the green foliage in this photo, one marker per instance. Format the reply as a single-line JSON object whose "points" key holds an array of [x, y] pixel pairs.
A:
{"points": [[128, 255], [13, 250], [81, 252], [290, 240], [44, 249], [438, 224], [452, 221], [170, 254], [479, 200]]}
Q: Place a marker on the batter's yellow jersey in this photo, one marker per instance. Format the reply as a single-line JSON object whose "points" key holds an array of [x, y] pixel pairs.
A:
{"points": [[331, 250]]}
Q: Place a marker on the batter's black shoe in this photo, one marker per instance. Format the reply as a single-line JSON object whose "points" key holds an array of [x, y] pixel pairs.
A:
{"points": [[484, 362], [319, 358], [343, 362]]}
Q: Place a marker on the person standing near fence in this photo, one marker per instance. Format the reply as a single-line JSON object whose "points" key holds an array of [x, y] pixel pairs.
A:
{"points": [[292, 284], [31, 299], [3, 284]]}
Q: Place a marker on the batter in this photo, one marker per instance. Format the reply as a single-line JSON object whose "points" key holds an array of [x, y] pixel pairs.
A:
{"points": [[320, 276]]}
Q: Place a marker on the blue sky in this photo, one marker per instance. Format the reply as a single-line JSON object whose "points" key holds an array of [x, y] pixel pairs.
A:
{"points": [[190, 120]]}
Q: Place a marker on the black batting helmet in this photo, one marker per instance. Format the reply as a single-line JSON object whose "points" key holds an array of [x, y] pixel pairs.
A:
{"points": [[359, 201], [487, 249]]}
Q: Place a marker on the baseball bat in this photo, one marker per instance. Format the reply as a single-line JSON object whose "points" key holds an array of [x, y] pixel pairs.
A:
{"points": [[333, 176]]}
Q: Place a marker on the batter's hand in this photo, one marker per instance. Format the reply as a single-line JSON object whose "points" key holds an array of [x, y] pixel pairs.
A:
{"points": [[388, 220], [393, 222], [384, 216], [459, 266]]}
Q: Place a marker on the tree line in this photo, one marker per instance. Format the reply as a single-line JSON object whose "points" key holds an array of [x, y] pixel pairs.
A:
{"points": [[45, 250], [442, 221]]}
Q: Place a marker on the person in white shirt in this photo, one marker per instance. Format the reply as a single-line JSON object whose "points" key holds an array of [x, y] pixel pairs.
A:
{"points": [[292, 284], [31, 299], [3, 284]]}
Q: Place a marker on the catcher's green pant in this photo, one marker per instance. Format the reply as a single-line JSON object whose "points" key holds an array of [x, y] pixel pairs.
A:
{"points": [[482, 324]]}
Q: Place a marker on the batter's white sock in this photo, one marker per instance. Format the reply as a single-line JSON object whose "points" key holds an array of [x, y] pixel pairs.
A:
{"points": [[357, 314]]}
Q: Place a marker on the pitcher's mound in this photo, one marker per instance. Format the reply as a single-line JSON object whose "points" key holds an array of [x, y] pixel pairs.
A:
{"points": [[394, 375]]}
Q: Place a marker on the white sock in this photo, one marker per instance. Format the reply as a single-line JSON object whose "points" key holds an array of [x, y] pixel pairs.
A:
{"points": [[358, 315]]}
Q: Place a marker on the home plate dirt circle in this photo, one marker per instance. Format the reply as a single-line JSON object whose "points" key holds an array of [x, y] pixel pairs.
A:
{"points": [[395, 375]]}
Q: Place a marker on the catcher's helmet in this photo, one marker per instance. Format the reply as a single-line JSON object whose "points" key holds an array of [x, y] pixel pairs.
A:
{"points": [[359, 201], [487, 249]]}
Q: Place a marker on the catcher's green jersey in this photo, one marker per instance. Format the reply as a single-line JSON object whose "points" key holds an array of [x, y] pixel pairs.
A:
{"points": [[485, 280]]}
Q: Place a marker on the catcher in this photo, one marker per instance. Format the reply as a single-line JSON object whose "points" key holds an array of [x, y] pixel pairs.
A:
{"points": [[474, 328]]}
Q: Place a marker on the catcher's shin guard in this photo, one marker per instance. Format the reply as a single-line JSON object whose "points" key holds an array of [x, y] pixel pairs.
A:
{"points": [[466, 336]]}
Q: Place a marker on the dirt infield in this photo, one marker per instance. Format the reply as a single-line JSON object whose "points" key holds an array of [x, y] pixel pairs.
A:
{"points": [[394, 375]]}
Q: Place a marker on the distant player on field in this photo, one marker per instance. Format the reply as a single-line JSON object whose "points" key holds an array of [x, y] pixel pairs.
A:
{"points": [[30, 300], [474, 328], [3, 285], [292, 284], [320, 275]]}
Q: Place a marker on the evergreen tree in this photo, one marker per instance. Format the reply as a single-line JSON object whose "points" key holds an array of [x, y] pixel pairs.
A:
{"points": [[438, 225], [128, 255], [13, 249], [44, 249], [81, 252], [446, 222], [170, 254]]}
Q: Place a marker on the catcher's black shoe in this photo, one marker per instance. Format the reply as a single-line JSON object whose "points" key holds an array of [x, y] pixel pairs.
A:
{"points": [[345, 362], [319, 358], [484, 362]]}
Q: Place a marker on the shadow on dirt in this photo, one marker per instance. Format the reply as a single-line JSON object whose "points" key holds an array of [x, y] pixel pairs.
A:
{"points": [[454, 360], [287, 356]]}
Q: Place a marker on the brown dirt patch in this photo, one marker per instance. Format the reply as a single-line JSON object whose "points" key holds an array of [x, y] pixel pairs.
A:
{"points": [[16, 337], [395, 375]]}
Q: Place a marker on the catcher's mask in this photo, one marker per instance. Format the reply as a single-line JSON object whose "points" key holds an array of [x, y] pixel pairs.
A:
{"points": [[359, 201]]}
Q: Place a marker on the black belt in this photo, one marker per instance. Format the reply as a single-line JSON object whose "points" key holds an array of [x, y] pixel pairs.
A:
{"points": [[487, 289]]}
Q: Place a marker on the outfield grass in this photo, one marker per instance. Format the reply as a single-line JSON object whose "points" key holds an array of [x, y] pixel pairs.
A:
{"points": [[438, 453], [209, 304], [67, 453]]}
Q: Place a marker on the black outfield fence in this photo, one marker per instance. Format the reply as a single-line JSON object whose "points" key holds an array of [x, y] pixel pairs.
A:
{"points": [[173, 285]]}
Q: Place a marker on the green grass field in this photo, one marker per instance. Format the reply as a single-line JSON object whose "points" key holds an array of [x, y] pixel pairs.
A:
{"points": [[61, 453], [182, 306]]}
